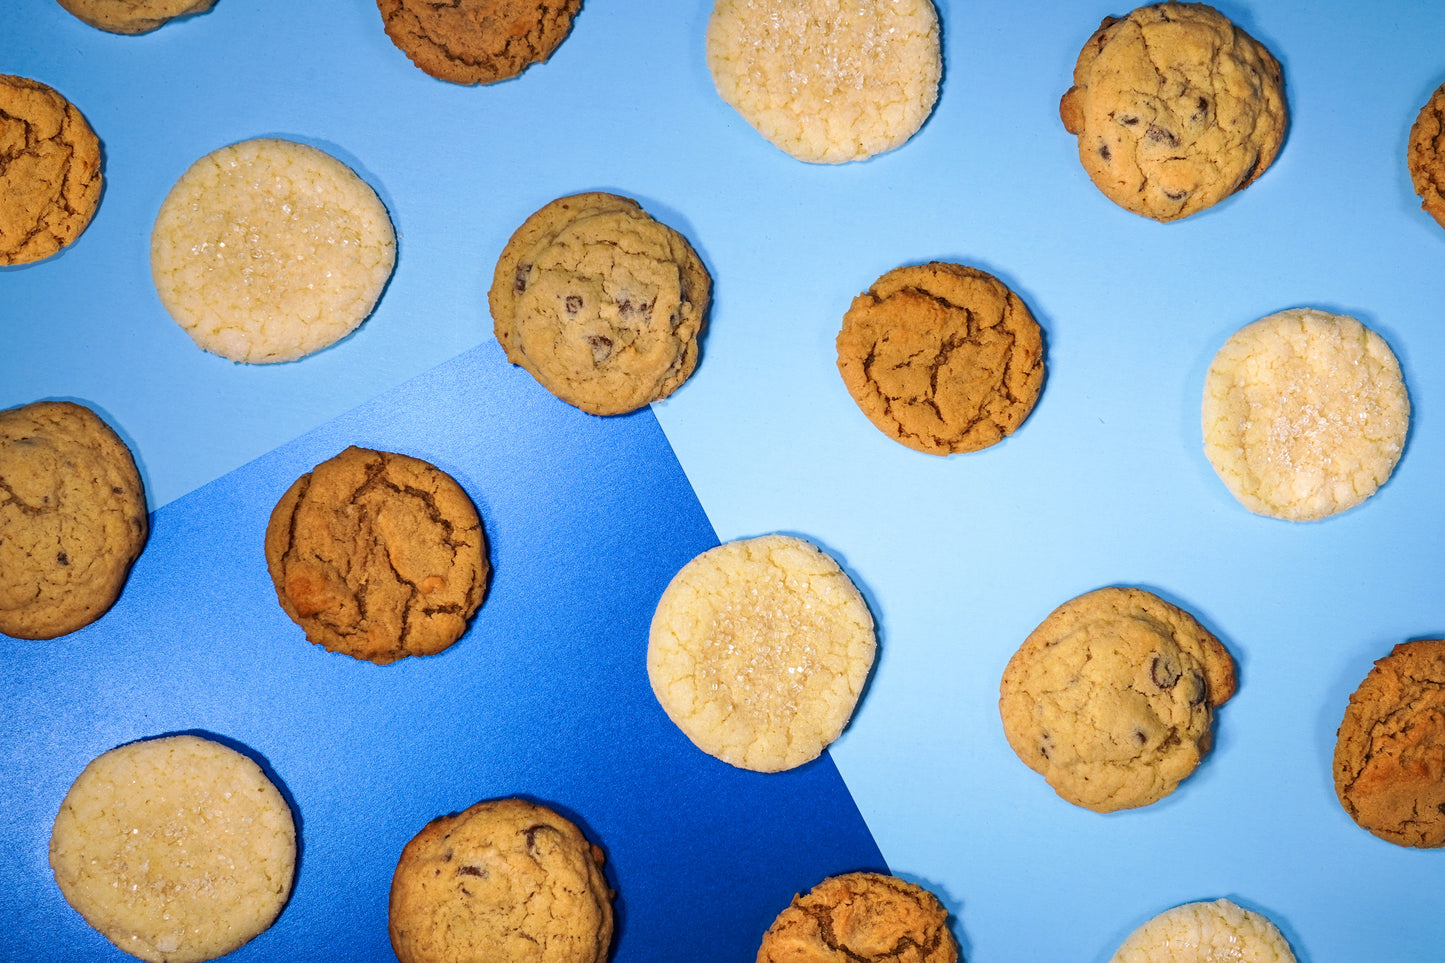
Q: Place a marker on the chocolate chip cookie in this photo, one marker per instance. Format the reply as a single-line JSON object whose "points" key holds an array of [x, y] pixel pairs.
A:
{"points": [[1425, 155], [861, 918], [133, 16], [477, 41]]}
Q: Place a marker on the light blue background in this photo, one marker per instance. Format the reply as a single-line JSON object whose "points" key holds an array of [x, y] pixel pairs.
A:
{"points": [[961, 557]]}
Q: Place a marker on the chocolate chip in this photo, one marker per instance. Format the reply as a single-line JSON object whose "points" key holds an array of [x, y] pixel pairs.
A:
{"points": [[1129, 120], [62, 558], [1197, 694], [531, 833], [1161, 136], [1164, 673], [471, 871], [625, 307], [520, 283], [1201, 110], [1176, 195], [574, 303], [1104, 151], [1139, 736], [601, 347]]}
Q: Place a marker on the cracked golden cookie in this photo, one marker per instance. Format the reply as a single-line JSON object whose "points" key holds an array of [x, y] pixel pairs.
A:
{"points": [[133, 16], [477, 41], [1198, 932], [378, 555], [601, 303], [1175, 109], [506, 880], [1111, 699], [861, 918], [941, 357], [1305, 414], [1389, 764], [758, 651], [49, 171], [175, 849], [73, 518], [268, 250], [1425, 155], [827, 81]]}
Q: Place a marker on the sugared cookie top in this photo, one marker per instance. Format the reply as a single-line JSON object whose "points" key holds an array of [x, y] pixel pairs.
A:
{"points": [[1175, 109], [861, 918], [1305, 414], [477, 41], [828, 81], [1217, 932], [1425, 155], [133, 16]]}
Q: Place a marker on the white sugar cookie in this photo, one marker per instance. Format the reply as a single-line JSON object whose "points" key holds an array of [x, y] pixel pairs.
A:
{"points": [[1203, 932]]}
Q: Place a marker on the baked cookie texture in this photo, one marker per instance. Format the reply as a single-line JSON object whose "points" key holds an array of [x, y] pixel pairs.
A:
{"points": [[477, 41], [827, 81], [1175, 109], [50, 171], [268, 250], [1206, 931], [133, 16], [175, 849], [1425, 155], [1111, 699], [1305, 414], [861, 918], [941, 357], [1389, 762], [506, 880], [759, 650], [601, 303], [73, 518], [378, 555]]}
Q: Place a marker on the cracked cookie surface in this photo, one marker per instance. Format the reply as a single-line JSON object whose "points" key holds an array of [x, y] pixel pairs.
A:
{"points": [[1425, 155], [176, 849], [1203, 932], [1111, 699], [941, 357], [378, 555], [133, 16], [507, 880], [50, 179], [73, 518], [1175, 109], [1389, 761], [861, 918], [477, 41], [759, 650], [1305, 414]]}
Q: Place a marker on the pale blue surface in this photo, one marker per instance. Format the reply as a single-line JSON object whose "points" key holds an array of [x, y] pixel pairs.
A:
{"points": [[960, 557]]}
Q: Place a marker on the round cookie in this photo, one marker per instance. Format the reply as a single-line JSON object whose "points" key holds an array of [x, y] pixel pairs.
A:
{"points": [[1175, 109], [1197, 932], [50, 177], [1425, 155], [941, 357], [268, 250], [827, 81], [1111, 699], [600, 303], [378, 555], [133, 16], [1389, 763], [758, 651], [477, 41], [505, 880], [1304, 414], [72, 518], [175, 849], [861, 918]]}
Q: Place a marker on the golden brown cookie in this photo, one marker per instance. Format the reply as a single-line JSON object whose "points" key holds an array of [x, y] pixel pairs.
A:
{"points": [[1425, 155], [1111, 699], [1389, 763], [72, 518], [49, 171], [941, 357], [133, 16], [477, 41], [378, 555], [506, 880], [1175, 109], [861, 918], [1203, 932]]}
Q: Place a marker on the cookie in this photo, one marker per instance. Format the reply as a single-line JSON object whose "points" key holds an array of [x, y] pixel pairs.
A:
{"points": [[861, 918], [1425, 155], [941, 357], [1111, 699], [505, 880], [133, 16], [1197, 932], [73, 518], [758, 651], [50, 177], [477, 41], [1175, 109], [175, 849], [1389, 764], [1305, 414], [827, 81], [378, 555], [601, 303], [268, 250]]}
